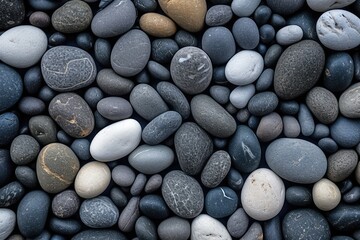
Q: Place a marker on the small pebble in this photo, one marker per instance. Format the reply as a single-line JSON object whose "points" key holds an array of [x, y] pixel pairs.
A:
{"points": [[326, 195]]}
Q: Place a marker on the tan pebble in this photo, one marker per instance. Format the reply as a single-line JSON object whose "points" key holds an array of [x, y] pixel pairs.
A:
{"points": [[189, 14], [157, 25], [326, 195]]}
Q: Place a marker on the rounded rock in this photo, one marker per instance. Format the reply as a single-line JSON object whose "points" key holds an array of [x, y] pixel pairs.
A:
{"points": [[9, 127], [270, 127], [114, 108], [13, 14], [221, 202], [299, 196], [246, 33], [11, 87], [285, 7], [323, 104], [326, 195], [218, 15], [349, 100], [7, 223], [65, 204], [263, 103], [24, 149], [341, 164], [153, 184], [204, 226], [174, 228], [157, 25], [238, 223], [289, 34], [240, 96], [145, 228], [243, 8], [11, 194], [43, 129], [154, 207], [123, 176], [291, 126], [345, 132], [325, 5], [40, 19], [216, 169], [113, 84]]}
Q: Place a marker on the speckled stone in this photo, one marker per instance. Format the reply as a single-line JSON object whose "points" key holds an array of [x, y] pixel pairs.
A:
{"points": [[100, 234], [145, 228], [221, 202], [345, 218], [216, 169], [13, 13], [341, 164], [323, 104], [153, 184], [11, 87], [11, 194], [65, 204], [24, 149], [349, 101], [157, 25]]}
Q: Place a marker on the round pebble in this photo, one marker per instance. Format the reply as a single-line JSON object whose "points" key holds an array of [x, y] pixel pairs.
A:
{"points": [[224, 196], [24, 149], [157, 25], [7, 223], [65, 204], [246, 33], [204, 226], [326, 195], [341, 165], [123, 176], [174, 228]]}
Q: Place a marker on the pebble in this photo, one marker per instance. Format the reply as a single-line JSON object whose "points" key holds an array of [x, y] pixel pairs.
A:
{"points": [[263, 103], [24, 149], [212, 117], [265, 80], [46, 94], [72, 17], [145, 5], [151, 159], [341, 164], [138, 185], [216, 169], [11, 194], [58, 64], [267, 33], [92, 179], [323, 104], [77, 123], [345, 132], [272, 55], [345, 186], [221, 196], [298, 69], [289, 35], [43, 129], [154, 207], [246, 33], [174, 228], [26, 176], [306, 20], [102, 51], [345, 218], [64, 226], [326, 195], [100, 234], [299, 196], [99, 212], [238, 223], [344, 23], [321, 131], [244, 67], [272, 228], [310, 225], [9, 127], [296, 160], [188, 15], [55, 176], [6, 167], [352, 196], [163, 49], [234, 179], [145, 228], [84, 41], [45, 5], [178, 188], [57, 39], [123, 18], [114, 108], [129, 215], [284, 7], [123, 175], [31, 106], [11, 87], [147, 102], [116, 140], [113, 84], [326, 5], [262, 14], [193, 147], [157, 25], [13, 14], [22, 46], [348, 102], [65, 204], [81, 148], [131, 52], [32, 213], [270, 127], [218, 15], [328, 145], [204, 226], [306, 121], [153, 184], [220, 94], [40, 19], [191, 70], [254, 232], [240, 96], [158, 71], [118, 197], [291, 127], [7, 223], [357, 173], [243, 8]]}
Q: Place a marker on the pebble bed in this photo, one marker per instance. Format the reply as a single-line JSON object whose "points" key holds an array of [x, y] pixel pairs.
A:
{"points": [[179, 119]]}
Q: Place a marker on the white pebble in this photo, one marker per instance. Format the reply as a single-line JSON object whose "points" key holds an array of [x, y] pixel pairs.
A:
{"points": [[204, 226], [324, 5], [240, 96], [7, 222], [326, 195], [289, 35]]}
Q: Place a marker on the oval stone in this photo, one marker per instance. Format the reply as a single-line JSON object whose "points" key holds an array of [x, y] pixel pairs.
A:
{"points": [[299, 196], [325, 5], [216, 169], [204, 226], [326, 195], [11, 87], [157, 25], [296, 160], [9, 127], [349, 102], [221, 202], [345, 218], [174, 228], [298, 69], [11, 193], [113, 84], [131, 52], [346, 132], [65, 204], [100, 234], [13, 14], [341, 164], [114, 108], [182, 194], [67, 68], [7, 223], [154, 207]]}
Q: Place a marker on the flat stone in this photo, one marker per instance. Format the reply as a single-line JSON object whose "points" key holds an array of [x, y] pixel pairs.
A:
{"points": [[240, 96], [113, 84], [341, 165], [289, 34], [216, 169], [153, 184], [65, 204], [145, 228], [306, 120], [220, 94], [13, 14], [254, 232], [174, 228], [163, 49], [138, 185], [204, 226], [118, 197], [64, 226], [11, 87], [291, 127], [345, 218], [40, 19], [129, 215], [325, 5]]}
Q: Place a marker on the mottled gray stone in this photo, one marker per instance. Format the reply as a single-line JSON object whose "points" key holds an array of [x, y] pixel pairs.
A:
{"points": [[349, 101], [345, 218], [238, 223], [216, 169], [174, 228], [145, 229], [306, 120], [65, 204], [321, 131], [138, 185], [12, 14], [123, 175], [270, 127], [263, 103], [115, 108], [24, 149], [323, 104], [118, 197], [11, 193], [101, 234], [218, 15], [341, 164], [11, 86], [113, 84], [43, 129], [153, 184], [129, 215]]}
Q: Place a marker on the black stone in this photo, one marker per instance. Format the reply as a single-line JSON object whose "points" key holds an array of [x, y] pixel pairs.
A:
{"points": [[27, 177], [158, 71], [353, 195], [9, 127], [64, 226], [118, 197], [219, 75], [11, 194], [64, 138], [46, 94], [272, 229], [33, 80], [45, 5], [6, 167], [65, 204], [277, 21], [185, 39], [31, 106], [262, 14], [272, 55], [145, 229], [298, 196], [43, 129], [102, 50], [285, 7], [11, 86], [356, 59], [101, 234], [57, 39], [162, 50], [221, 202], [145, 5], [345, 218], [92, 96], [345, 186], [85, 41], [235, 180], [12, 13], [267, 33], [154, 207]]}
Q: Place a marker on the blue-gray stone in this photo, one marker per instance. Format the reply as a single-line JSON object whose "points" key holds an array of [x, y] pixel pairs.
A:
{"points": [[113, 84], [185, 39], [220, 94], [64, 226], [163, 50], [285, 7], [238, 223], [246, 33], [101, 234], [306, 121], [307, 21], [272, 228], [221, 202], [267, 33], [272, 55], [118, 197], [352, 196], [11, 193], [244, 149], [57, 39], [345, 218], [289, 107], [321, 131], [33, 80], [65, 204], [9, 127], [11, 87], [299, 196], [24, 149], [145, 5], [31, 106], [102, 51], [81, 148], [265, 80], [85, 41], [115, 108], [219, 76], [154, 207], [92, 96], [235, 180], [218, 15], [145, 229], [216, 169], [158, 71], [6, 167], [45, 5], [346, 132], [26, 176], [328, 145], [263, 103], [262, 14]]}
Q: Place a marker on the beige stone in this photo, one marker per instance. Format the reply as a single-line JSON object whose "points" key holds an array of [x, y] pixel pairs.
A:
{"points": [[326, 195], [157, 25], [188, 14]]}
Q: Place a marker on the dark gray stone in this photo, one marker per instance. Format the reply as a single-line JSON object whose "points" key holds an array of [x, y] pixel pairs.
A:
{"points": [[321, 131], [12, 13], [129, 215], [81, 147], [101, 234], [269, 127], [285, 7], [218, 15], [57, 39], [24, 149], [254, 232], [123, 175], [138, 185], [65, 204], [345, 218], [174, 228], [26, 176], [246, 33], [272, 228], [145, 5], [352, 196], [289, 107], [6, 167], [85, 41], [11, 194], [323, 104], [182, 194], [153, 184], [193, 147], [113, 84], [9, 127], [328, 145], [238, 223], [145, 229], [163, 50], [263, 103], [64, 226], [118, 197], [272, 55], [45, 5], [341, 164], [33, 80], [265, 80], [67, 68], [43, 129], [307, 21], [31, 106], [235, 180], [11, 86], [220, 94], [299, 196], [221, 202], [185, 39], [102, 51], [158, 71], [262, 14], [154, 207], [46, 94], [306, 121], [216, 169], [115, 108], [346, 132]]}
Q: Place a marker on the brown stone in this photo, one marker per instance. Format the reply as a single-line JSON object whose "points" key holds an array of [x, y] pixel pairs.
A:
{"points": [[189, 14], [270, 127], [157, 25], [341, 164], [39, 19]]}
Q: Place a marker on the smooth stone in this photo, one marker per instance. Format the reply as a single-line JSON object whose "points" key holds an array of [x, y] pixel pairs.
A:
{"points": [[254, 232], [92, 179], [145, 5], [57, 39], [240, 96], [157, 25], [306, 20], [161, 127], [31, 106], [296, 160], [191, 70], [298, 69], [326, 195], [24, 149], [341, 164], [85, 41], [243, 8], [321, 131], [65, 204], [220, 94], [193, 147], [113, 84], [357, 173], [216, 169], [100, 234], [352, 196], [158, 71], [45, 5], [163, 49], [123, 175], [284, 7], [154, 207], [328, 145], [263, 194], [64, 226], [188, 15], [180, 188], [310, 225], [123, 14], [272, 55], [323, 104], [265, 80], [32, 213], [235, 180], [289, 107], [40, 19], [73, 17], [26, 176], [221, 196], [306, 121], [116, 140], [102, 51], [219, 75], [325, 5], [153, 184], [262, 14], [289, 34], [6, 167], [244, 67], [145, 229], [345, 218], [99, 212], [218, 15], [151, 159], [174, 228], [131, 52], [204, 226], [33, 80], [43, 129], [114, 108], [11, 87], [7, 222], [212, 117], [129, 215], [267, 34], [263, 103], [272, 228], [345, 132], [356, 59], [219, 44], [348, 102], [248, 159], [118, 197], [269, 127], [11, 194], [46, 94], [9, 127], [246, 33], [147, 102], [291, 127], [344, 23], [81, 148], [22, 46], [238, 223], [138, 185], [64, 138], [299, 196], [12, 15]]}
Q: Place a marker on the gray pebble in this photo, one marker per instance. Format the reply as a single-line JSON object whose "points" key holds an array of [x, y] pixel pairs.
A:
{"points": [[220, 94], [346, 132], [174, 228], [24, 149], [270, 127], [8, 222], [92, 96], [11, 194], [158, 71], [353, 195], [43, 129], [129, 215], [246, 33], [272, 55], [285, 7], [163, 49], [291, 127], [306, 121], [115, 108], [26, 176], [99, 234], [341, 165], [235, 180], [102, 51], [153, 184], [154, 207], [65, 204], [263, 103], [185, 39], [265, 80], [118, 197], [254, 232], [218, 15], [299, 196], [31, 106], [243, 115], [321, 131], [145, 229], [81, 148], [328, 145], [123, 175], [323, 104], [289, 34], [138, 185], [64, 226], [113, 84], [238, 223], [216, 169]]}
